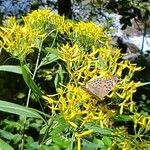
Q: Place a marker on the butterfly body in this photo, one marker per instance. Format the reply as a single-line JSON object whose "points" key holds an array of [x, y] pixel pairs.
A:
{"points": [[101, 87]]}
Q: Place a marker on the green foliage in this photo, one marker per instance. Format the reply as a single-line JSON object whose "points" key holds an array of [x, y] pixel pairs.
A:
{"points": [[4, 145], [11, 68], [19, 110], [27, 78]]}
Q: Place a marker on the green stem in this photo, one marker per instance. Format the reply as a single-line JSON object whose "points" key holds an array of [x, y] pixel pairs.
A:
{"points": [[29, 92], [51, 45], [33, 77]]}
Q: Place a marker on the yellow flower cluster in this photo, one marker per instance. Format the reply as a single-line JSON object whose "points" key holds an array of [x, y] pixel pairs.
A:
{"points": [[20, 40], [45, 20], [127, 142], [79, 65], [87, 56], [143, 121], [38, 20], [76, 105], [88, 34], [82, 66]]}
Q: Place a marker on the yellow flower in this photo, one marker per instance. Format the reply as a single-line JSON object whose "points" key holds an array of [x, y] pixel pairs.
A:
{"points": [[19, 40], [141, 120]]}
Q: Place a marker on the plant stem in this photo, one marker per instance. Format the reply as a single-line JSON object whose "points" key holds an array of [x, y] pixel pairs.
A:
{"points": [[34, 74], [143, 38], [29, 92]]}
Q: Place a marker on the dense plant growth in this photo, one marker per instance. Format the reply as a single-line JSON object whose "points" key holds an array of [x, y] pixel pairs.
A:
{"points": [[67, 54]]}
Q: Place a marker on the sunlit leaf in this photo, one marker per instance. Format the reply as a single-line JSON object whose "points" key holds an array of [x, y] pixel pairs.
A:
{"points": [[5, 146], [28, 80], [6, 135], [49, 59], [54, 51], [18, 110], [11, 68], [144, 83], [59, 77], [107, 141], [99, 142]]}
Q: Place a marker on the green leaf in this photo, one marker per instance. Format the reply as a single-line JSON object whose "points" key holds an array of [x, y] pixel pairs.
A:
{"points": [[60, 119], [122, 118], [28, 80], [45, 147], [54, 51], [59, 125], [6, 135], [49, 59], [58, 129], [17, 138], [102, 63], [99, 143], [59, 77], [5, 146], [144, 83], [11, 68], [18, 110], [61, 141], [60, 72], [42, 113], [103, 131], [31, 145], [107, 141], [87, 145]]}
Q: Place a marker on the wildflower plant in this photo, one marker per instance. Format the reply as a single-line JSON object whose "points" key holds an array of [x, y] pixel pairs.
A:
{"points": [[18, 40], [85, 55]]}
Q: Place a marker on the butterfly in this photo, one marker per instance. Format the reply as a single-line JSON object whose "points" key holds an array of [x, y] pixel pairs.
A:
{"points": [[100, 87]]}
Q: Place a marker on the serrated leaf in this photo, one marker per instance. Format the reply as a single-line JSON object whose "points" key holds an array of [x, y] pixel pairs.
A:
{"points": [[31, 145], [58, 129], [11, 68], [17, 138]]}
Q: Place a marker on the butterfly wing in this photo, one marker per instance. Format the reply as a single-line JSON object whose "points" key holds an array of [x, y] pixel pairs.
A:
{"points": [[95, 87], [101, 92], [108, 85], [100, 87]]}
